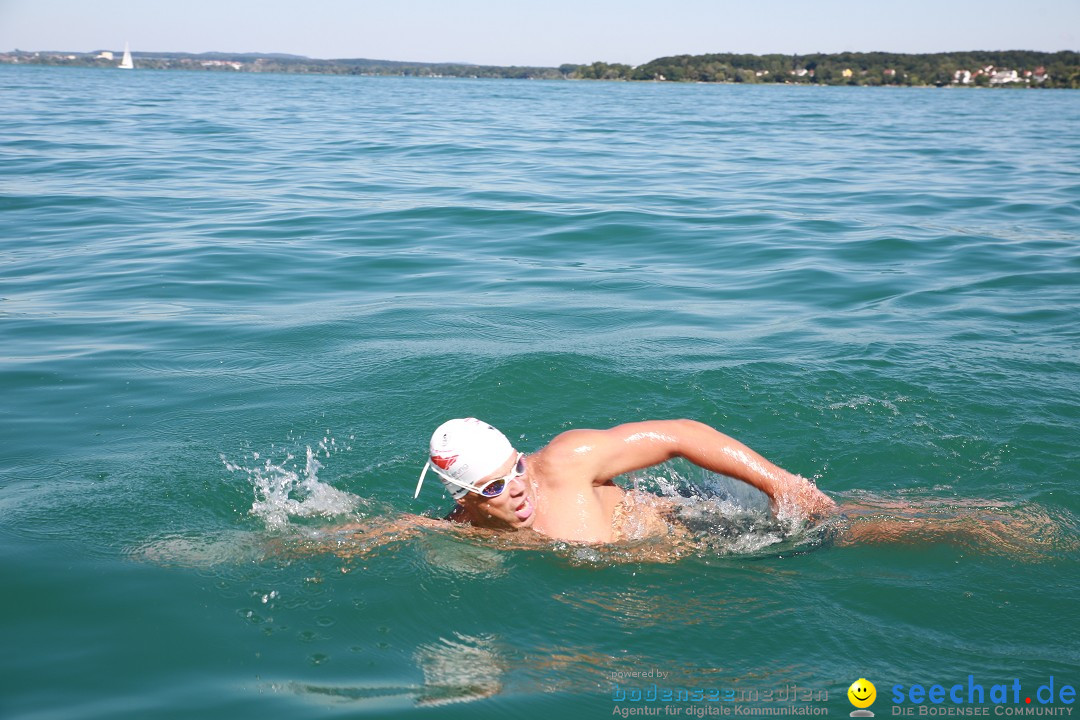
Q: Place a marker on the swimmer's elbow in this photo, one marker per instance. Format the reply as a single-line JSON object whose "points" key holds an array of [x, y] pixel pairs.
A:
{"points": [[689, 437]]}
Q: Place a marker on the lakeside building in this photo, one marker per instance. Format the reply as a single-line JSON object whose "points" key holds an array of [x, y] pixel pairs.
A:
{"points": [[1000, 76]]}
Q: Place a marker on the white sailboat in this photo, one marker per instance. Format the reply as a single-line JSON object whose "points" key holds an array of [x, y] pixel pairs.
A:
{"points": [[126, 63]]}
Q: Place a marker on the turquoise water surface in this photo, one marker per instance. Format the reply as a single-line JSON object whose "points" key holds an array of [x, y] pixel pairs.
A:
{"points": [[233, 308]]}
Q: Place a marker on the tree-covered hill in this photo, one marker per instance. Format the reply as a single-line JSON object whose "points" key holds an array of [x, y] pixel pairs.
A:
{"points": [[1034, 69], [1007, 68]]}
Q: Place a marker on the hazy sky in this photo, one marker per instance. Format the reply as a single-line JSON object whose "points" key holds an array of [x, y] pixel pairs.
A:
{"points": [[538, 32]]}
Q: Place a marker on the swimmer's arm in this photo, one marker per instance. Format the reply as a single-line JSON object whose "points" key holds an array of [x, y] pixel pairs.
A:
{"points": [[633, 446], [405, 523], [356, 539]]}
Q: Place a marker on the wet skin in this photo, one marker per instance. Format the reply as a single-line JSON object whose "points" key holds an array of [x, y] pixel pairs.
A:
{"points": [[567, 490], [514, 508]]}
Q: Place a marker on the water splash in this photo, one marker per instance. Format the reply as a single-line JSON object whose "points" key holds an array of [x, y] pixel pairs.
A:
{"points": [[283, 492], [712, 515]]}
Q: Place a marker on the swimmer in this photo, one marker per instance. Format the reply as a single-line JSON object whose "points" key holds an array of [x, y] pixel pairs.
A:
{"points": [[566, 490]]}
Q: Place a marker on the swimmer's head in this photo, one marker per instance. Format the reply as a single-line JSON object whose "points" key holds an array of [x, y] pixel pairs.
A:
{"points": [[462, 452]]}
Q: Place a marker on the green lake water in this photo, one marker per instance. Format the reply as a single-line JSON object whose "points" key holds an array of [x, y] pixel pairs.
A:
{"points": [[205, 277]]}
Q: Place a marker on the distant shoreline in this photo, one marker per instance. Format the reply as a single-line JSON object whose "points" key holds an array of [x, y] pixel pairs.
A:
{"points": [[1006, 68]]}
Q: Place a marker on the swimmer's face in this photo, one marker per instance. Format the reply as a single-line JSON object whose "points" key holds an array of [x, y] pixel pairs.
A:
{"points": [[862, 693], [514, 508]]}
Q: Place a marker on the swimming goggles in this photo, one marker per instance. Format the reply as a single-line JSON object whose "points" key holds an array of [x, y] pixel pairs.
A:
{"points": [[496, 487], [492, 488]]}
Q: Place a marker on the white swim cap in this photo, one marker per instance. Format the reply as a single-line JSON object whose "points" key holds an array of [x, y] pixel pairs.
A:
{"points": [[463, 452]]}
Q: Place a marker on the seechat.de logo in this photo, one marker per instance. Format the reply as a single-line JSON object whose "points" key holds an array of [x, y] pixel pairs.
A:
{"points": [[862, 694]]}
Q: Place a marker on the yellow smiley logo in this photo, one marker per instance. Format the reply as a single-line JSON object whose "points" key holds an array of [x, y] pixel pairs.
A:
{"points": [[862, 693]]}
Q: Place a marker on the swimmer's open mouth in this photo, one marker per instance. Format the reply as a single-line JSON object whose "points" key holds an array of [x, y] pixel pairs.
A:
{"points": [[524, 510]]}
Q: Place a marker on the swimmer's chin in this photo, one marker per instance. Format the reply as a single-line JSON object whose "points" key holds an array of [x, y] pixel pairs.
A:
{"points": [[504, 524], [524, 525]]}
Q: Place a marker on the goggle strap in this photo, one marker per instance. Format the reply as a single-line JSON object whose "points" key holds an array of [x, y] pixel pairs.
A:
{"points": [[421, 482], [473, 488], [429, 466]]}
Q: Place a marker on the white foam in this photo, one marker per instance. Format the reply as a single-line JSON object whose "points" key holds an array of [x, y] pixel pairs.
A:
{"points": [[726, 516], [283, 492]]}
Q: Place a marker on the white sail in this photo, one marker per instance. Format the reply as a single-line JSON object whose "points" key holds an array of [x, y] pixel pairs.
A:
{"points": [[126, 63]]}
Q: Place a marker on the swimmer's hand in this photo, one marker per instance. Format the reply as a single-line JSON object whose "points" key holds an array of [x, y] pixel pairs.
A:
{"points": [[803, 497]]}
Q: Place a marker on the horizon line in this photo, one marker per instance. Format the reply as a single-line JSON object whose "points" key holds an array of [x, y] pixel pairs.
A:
{"points": [[477, 64]]}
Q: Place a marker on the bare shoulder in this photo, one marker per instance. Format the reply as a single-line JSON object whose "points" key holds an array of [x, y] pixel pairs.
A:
{"points": [[579, 444], [575, 447], [569, 456], [596, 456], [574, 442], [600, 455]]}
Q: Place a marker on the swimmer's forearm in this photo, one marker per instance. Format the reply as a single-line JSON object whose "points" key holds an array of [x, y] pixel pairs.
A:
{"points": [[715, 451], [360, 538], [606, 454]]}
